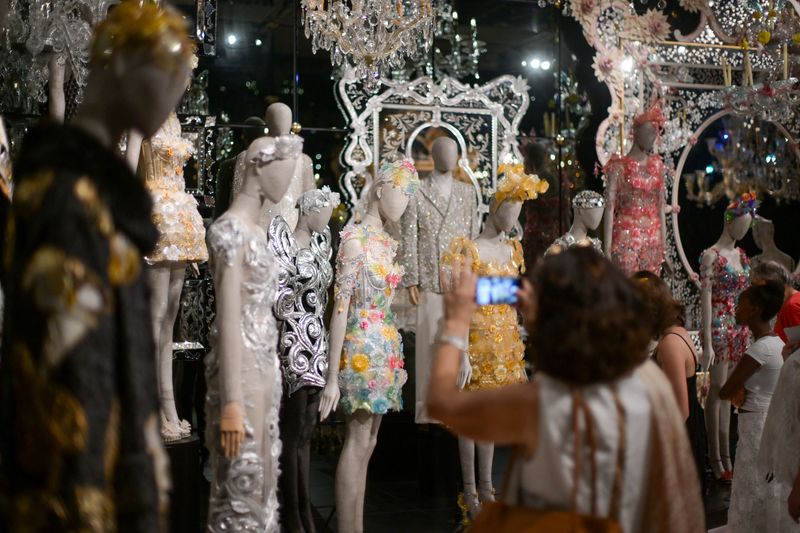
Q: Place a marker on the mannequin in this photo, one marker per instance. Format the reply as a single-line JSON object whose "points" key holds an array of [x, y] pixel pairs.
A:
{"points": [[278, 118], [724, 274], [495, 356], [181, 241], [242, 369], [225, 170], [635, 232], [442, 210], [764, 237], [587, 213], [369, 379], [305, 276], [78, 361]]}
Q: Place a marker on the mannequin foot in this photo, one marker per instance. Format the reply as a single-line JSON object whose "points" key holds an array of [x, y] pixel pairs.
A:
{"points": [[170, 431], [720, 474], [726, 463], [469, 504], [185, 427], [487, 494]]}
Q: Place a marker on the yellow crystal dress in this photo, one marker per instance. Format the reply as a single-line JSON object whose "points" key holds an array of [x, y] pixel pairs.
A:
{"points": [[496, 351]]}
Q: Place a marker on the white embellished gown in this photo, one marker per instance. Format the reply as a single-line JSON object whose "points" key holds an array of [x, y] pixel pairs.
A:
{"points": [[243, 489]]}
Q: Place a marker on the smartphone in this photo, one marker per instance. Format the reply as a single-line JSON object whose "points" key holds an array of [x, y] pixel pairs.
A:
{"points": [[496, 290]]}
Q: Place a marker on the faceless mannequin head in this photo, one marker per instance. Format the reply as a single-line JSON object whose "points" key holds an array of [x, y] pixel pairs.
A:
{"points": [[273, 178], [763, 232], [590, 218], [392, 201], [140, 64], [505, 215], [318, 220], [445, 154], [279, 119], [738, 227], [644, 135]]}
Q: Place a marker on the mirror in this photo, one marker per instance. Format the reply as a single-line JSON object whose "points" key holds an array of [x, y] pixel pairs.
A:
{"points": [[733, 155]]}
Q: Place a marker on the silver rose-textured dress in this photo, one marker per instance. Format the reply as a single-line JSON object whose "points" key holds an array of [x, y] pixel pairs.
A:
{"points": [[244, 489]]}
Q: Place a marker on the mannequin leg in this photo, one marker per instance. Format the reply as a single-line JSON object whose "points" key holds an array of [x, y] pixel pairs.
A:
{"points": [[166, 283], [714, 417], [466, 453], [291, 422], [352, 462], [725, 426], [485, 459], [304, 459], [362, 489]]}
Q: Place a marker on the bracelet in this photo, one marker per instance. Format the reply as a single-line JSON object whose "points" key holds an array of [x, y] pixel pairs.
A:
{"points": [[455, 341]]}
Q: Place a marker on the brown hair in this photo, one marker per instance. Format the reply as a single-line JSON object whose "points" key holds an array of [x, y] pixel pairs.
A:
{"points": [[588, 319], [662, 310]]}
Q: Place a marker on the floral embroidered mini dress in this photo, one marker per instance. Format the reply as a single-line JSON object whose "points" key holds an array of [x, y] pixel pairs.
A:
{"points": [[728, 339], [636, 191], [180, 226], [496, 352], [371, 375]]}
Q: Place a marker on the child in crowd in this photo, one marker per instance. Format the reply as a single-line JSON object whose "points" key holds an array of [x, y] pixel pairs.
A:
{"points": [[750, 388]]}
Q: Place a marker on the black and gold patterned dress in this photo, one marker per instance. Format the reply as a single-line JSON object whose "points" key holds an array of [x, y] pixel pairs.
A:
{"points": [[80, 446]]}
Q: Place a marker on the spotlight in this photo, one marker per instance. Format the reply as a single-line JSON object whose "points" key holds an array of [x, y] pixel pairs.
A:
{"points": [[259, 42], [232, 39], [545, 65], [535, 63], [524, 63], [709, 169]]}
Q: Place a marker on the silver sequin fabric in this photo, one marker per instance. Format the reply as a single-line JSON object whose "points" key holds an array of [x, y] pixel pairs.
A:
{"points": [[304, 277], [567, 241], [429, 225]]}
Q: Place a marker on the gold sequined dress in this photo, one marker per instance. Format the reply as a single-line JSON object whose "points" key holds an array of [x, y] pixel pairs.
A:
{"points": [[496, 351], [182, 236]]}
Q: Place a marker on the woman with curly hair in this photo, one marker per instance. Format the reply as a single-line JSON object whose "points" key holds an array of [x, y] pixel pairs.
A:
{"points": [[676, 356], [595, 401]]}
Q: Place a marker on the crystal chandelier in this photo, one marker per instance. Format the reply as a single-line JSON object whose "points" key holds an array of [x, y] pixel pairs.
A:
{"points": [[455, 54], [371, 36]]}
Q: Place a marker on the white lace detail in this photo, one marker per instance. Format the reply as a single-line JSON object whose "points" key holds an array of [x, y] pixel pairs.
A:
{"points": [[778, 452], [747, 512], [225, 237]]}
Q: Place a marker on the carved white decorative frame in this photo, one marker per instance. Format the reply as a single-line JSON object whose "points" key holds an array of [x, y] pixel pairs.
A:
{"points": [[483, 119]]}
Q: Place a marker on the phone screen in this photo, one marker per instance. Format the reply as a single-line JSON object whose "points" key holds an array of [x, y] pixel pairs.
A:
{"points": [[496, 290]]}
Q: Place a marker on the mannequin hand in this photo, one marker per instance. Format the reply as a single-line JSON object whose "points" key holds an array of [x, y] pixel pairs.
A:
{"points": [[231, 429], [708, 357], [195, 269], [459, 295], [465, 371], [329, 400], [413, 295]]}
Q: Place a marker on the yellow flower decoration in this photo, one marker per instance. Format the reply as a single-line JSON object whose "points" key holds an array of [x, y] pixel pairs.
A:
{"points": [[518, 186], [360, 362], [764, 37], [389, 333]]}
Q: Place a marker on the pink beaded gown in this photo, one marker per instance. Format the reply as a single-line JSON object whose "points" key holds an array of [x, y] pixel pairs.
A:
{"points": [[637, 193]]}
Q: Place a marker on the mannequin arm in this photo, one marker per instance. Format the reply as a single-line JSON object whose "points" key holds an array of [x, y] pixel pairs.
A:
{"points": [[134, 148], [706, 267], [228, 287], [476, 219], [347, 266], [608, 222], [663, 211], [57, 105], [309, 183]]}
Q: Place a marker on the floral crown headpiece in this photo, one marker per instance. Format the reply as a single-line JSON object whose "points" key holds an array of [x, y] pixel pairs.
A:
{"points": [[746, 204], [402, 174], [142, 24], [518, 186], [588, 200], [653, 116], [317, 199]]}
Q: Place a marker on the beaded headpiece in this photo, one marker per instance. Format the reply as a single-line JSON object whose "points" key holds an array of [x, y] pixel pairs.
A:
{"points": [[518, 186], [316, 199], [402, 174], [745, 204], [141, 24], [588, 200], [653, 116]]}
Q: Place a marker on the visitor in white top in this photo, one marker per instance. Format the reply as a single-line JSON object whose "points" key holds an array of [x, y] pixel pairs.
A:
{"points": [[750, 388]]}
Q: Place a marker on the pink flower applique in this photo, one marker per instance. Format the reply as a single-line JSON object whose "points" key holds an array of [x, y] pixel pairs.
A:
{"points": [[363, 324]]}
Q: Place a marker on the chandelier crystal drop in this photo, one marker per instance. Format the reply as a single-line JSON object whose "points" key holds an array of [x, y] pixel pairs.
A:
{"points": [[371, 36]]}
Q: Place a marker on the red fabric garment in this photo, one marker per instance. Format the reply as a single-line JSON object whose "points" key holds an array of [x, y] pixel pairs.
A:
{"points": [[788, 316]]}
